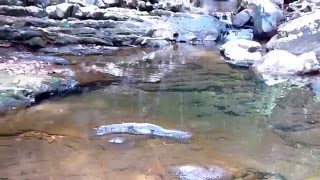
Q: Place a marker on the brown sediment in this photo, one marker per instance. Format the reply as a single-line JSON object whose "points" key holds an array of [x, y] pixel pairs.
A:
{"points": [[33, 134]]}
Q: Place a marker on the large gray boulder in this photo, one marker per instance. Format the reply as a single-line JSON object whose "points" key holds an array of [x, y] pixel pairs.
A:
{"points": [[266, 18], [280, 62], [300, 35], [241, 18], [62, 11], [241, 52]]}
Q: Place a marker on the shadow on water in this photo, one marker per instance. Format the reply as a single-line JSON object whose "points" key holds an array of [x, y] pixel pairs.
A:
{"points": [[236, 121]]}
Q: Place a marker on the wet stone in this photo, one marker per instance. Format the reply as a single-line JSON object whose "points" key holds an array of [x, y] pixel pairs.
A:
{"points": [[254, 174]]}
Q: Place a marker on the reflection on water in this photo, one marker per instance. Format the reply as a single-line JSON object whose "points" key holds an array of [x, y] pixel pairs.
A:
{"points": [[236, 122]]}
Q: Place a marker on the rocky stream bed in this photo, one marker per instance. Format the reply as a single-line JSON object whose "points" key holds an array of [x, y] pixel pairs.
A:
{"points": [[121, 89]]}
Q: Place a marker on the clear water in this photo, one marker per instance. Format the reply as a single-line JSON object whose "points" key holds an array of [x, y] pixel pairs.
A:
{"points": [[236, 121]]}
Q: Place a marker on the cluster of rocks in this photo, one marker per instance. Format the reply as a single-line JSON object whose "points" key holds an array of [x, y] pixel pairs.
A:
{"points": [[70, 27], [147, 5], [27, 79], [264, 16], [85, 27], [39, 23], [293, 49]]}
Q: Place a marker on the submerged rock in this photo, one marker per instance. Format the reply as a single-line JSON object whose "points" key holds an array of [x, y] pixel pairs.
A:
{"points": [[254, 174], [48, 59], [11, 101], [191, 172], [296, 117], [77, 50], [141, 129], [266, 17], [241, 52]]}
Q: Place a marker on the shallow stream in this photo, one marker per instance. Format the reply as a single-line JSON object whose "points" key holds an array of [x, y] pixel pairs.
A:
{"points": [[236, 121]]}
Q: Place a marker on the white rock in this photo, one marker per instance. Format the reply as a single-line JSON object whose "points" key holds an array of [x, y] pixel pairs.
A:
{"points": [[270, 45], [241, 52], [283, 62]]}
